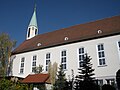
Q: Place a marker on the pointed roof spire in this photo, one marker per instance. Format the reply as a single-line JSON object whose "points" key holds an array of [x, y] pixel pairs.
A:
{"points": [[35, 7], [33, 21]]}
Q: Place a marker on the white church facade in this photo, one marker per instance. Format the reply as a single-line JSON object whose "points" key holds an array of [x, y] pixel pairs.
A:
{"points": [[100, 39]]}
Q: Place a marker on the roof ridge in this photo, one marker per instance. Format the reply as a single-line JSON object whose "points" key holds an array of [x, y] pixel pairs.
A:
{"points": [[80, 24], [81, 32]]}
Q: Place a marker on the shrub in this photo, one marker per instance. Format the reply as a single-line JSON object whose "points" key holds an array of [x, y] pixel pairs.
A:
{"points": [[118, 79], [108, 87], [9, 85]]}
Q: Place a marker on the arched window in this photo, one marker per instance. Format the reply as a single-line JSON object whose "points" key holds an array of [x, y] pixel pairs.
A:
{"points": [[29, 32], [35, 31]]}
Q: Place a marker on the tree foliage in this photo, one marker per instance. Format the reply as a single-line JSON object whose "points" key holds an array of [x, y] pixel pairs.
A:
{"points": [[60, 82], [86, 72], [40, 86], [52, 71], [118, 79], [5, 84], [84, 81], [38, 69], [6, 46], [108, 87], [9, 85]]}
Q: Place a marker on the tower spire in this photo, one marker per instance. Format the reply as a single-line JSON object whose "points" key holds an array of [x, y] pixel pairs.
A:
{"points": [[35, 6], [32, 28], [33, 19]]}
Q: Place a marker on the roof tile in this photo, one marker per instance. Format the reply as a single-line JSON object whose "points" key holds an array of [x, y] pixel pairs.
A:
{"points": [[109, 26], [36, 78]]}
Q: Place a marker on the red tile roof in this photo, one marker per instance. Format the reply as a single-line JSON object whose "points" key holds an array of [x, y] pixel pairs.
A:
{"points": [[77, 33], [36, 78]]}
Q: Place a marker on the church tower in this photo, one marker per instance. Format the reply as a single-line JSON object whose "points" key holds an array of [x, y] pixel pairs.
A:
{"points": [[32, 28]]}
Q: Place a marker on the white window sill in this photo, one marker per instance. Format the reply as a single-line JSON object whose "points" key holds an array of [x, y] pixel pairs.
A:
{"points": [[102, 65], [20, 73]]}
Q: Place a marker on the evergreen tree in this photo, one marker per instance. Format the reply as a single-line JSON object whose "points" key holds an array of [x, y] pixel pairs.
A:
{"points": [[85, 79], [60, 82], [86, 72], [118, 79]]}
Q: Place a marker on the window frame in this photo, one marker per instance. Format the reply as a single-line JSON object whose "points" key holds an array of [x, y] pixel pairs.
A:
{"points": [[110, 81], [80, 55], [100, 82], [35, 31], [101, 55], [47, 60], [34, 62], [29, 31], [63, 59], [22, 65], [118, 46]]}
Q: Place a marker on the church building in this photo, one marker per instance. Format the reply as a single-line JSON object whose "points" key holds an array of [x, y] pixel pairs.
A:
{"points": [[100, 39]]}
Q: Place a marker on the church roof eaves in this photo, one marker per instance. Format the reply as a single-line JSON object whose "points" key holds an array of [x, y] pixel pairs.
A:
{"points": [[77, 33]]}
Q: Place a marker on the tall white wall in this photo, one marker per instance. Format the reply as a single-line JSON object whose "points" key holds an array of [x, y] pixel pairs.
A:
{"points": [[111, 55]]}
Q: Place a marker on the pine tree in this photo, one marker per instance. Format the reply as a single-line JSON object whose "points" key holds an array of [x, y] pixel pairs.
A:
{"points": [[60, 81], [118, 79], [84, 81], [86, 72]]}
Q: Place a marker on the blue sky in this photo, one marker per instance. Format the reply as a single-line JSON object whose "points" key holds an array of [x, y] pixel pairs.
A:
{"points": [[52, 15]]}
